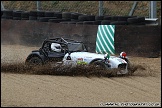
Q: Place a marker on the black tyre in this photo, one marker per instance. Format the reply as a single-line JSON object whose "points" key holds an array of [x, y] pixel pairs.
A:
{"points": [[25, 15], [97, 22], [49, 14], [24, 18], [7, 17], [105, 22], [107, 18], [119, 23], [83, 18], [1, 12], [99, 18], [32, 18], [34, 61], [79, 23], [40, 13], [88, 22], [16, 18], [99, 64], [65, 19], [45, 19], [75, 16], [114, 18], [7, 14], [72, 22], [91, 18], [64, 22], [123, 18], [136, 20], [33, 13], [42, 19], [66, 15], [56, 20], [58, 15], [17, 13]]}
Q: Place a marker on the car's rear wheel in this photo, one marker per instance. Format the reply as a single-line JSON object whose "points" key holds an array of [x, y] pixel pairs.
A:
{"points": [[34, 61]]}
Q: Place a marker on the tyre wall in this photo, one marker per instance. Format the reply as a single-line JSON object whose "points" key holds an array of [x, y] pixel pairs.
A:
{"points": [[136, 40]]}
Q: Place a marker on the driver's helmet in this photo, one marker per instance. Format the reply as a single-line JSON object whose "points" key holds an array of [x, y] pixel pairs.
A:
{"points": [[56, 47], [123, 55]]}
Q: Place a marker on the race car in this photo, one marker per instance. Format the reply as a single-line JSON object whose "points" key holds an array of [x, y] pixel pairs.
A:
{"points": [[104, 61], [54, 50], [70, 52]]}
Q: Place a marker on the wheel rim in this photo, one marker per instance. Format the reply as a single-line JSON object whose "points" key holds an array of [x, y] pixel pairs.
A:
{"points": [[98, 65], [35, 61]]}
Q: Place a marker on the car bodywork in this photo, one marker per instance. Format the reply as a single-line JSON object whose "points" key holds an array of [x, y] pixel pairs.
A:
{"points": [[78, 58]]}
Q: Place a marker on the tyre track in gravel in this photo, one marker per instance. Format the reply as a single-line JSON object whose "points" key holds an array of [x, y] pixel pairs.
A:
{"points": [[94, 88], [124, 84], [27, 82], [37, 80], [47, 89], [143, 89]]}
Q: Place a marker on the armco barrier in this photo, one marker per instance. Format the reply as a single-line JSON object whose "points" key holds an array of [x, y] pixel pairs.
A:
{"points": [[136, 40]]}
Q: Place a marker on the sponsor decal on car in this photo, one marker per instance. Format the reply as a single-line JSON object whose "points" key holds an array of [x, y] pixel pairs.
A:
{"points": [[81, 61]]}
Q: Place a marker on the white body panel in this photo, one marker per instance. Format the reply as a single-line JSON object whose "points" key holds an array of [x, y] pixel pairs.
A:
{"points": [[87, 57]]}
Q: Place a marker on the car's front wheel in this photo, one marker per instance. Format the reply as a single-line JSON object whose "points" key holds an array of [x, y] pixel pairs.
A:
{"points": [[99, 64], [34, 61]]}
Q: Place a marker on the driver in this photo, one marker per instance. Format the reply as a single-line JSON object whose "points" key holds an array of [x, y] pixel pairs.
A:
{"points": [[56, 47], [123, 55]]}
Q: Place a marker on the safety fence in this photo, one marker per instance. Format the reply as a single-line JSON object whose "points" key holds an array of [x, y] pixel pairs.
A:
{"points": [[112, 8]]}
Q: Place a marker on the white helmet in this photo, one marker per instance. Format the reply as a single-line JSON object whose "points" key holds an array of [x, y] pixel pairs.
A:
{"points": [[56, 47]]}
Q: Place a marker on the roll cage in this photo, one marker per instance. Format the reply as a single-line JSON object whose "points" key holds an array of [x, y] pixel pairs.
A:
{"points": [[68, 44]]}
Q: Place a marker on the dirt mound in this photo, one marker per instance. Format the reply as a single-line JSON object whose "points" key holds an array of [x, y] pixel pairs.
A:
{"points": [[80, 70]]}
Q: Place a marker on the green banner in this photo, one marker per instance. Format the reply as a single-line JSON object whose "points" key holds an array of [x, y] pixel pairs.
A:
{"points": [[105, 39]]}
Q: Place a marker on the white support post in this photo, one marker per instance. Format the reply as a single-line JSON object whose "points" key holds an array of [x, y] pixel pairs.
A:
{"points": [[2, 7]]}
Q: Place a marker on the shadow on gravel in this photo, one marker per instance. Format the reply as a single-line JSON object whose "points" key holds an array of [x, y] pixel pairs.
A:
{"points": [[81, 70]]}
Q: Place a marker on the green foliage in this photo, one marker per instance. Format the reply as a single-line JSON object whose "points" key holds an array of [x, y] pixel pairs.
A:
{"points": [[54, 3]]}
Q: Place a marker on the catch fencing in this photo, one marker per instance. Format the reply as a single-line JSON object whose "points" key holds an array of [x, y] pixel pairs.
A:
{"points": [[112, 8]]}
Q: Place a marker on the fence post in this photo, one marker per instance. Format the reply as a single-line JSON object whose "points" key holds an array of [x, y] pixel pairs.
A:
{"points": [[133, 8], [153, 13], [38, 5], [100, 8], [2, 7]]}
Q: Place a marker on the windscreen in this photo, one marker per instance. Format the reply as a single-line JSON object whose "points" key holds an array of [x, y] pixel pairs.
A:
{"points": [[76, 47]]}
